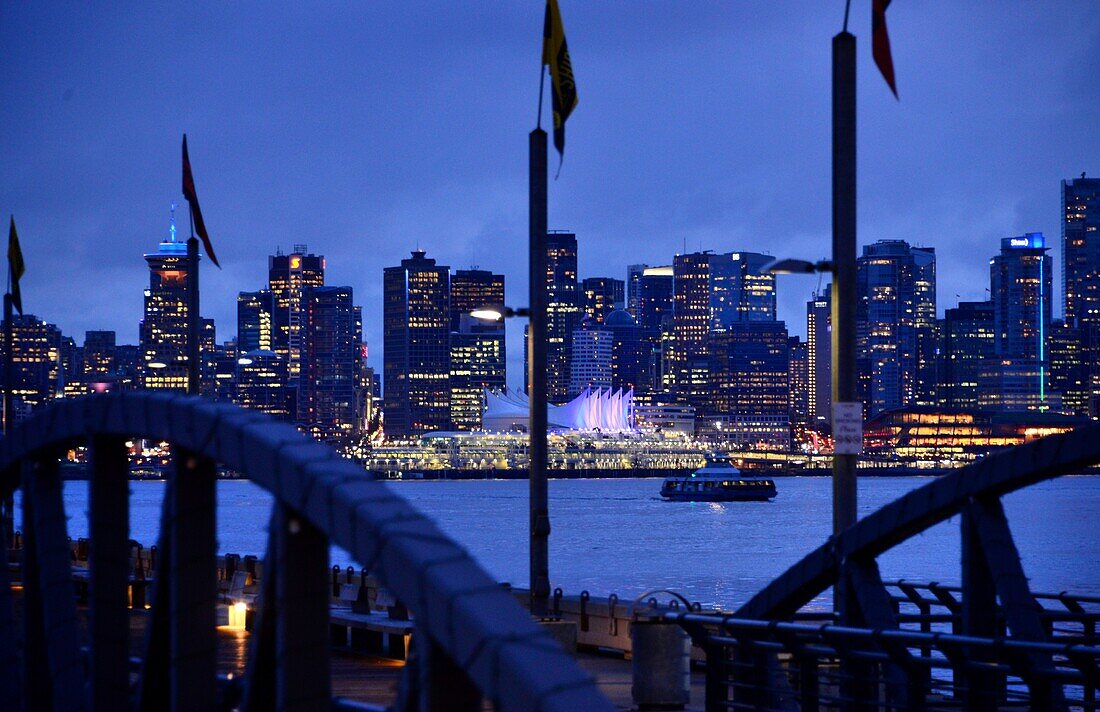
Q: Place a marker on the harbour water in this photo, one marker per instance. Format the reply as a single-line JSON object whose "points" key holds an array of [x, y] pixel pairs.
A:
{"points": [[618, 536]]}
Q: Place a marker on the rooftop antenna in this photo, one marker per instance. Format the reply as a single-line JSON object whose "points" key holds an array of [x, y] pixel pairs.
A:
{"points": [[172, 222]]}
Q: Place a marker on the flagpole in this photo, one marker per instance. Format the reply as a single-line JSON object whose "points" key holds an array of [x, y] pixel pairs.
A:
{"points": [[9, 501], [536, 376], [193, 320]]}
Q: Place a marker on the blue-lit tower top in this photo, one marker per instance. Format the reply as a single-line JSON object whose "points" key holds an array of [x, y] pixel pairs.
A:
{"points": [[171, 246]]}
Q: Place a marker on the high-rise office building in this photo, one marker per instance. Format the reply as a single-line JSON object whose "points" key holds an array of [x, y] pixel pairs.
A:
{"points": [[819, 361], [1067, 376], [967, 351], [655, 325], [163, 330], [1020, 290], [37, 369], [563, 313], [99, 354], [602, 295], [262, 383], [328, 383], [1081, 249], [749, 389], [474, 289], [477, 364], [895, 325], [288, 277], [592, 355], [712, 292], [634, 274], [629, 353], [416, 319], [797, 381], [255, 328]]}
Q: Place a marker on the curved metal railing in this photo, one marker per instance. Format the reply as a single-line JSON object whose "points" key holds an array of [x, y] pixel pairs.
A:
{"points": [[474, 640]]}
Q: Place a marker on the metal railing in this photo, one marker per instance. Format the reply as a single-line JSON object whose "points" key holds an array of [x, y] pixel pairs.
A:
{"points": [[473, 641]]}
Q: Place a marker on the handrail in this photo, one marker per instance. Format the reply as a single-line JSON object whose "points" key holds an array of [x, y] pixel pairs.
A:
{"points": [[475, 622]]}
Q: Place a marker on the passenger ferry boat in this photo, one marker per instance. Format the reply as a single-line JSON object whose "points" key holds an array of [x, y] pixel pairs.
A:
{"points": [[718, 481]]}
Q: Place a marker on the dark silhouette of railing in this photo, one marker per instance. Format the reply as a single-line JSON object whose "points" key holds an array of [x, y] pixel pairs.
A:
{"points": [[1004, 647], [472, 640]]}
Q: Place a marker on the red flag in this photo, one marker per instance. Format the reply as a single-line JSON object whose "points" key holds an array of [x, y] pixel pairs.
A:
{"points": [[880, 43], [193, 202]]}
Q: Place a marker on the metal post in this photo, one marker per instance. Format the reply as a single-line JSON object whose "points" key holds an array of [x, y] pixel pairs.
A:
{"points": [[194, 322], [9, 501], [844, 265], [536, 379]]}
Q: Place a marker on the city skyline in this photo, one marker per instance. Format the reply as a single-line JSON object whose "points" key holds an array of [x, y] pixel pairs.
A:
{"points": [[95, 111]]}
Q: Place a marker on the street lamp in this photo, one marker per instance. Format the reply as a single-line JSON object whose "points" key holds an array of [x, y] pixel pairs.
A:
{"points": [[847, 420], [496, 312]]}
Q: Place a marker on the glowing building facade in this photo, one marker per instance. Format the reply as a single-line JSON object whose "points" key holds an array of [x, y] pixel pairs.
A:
{"points": [[163, 330], [255, 311], [261, 383], [602, 295], [37, 369], [477, 364], [328, 383], [563, 312], [819, 362], [288, 278]]}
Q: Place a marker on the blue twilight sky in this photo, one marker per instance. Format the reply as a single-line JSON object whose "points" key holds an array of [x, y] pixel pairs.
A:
{"points": [[366, 129]]}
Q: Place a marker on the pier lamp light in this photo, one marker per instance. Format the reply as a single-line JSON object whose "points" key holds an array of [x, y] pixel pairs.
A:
{"points": [[496, 312], [787, 265]]}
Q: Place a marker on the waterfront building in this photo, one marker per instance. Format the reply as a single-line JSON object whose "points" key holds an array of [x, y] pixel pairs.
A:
{"points": [[416, 366], [602, 295], [629, 353], [895, 325], [254, 321], [288, 278], [749, 392], [477, 364], [1081, 249], [332, 335], [262, 383], [563, 312], [590, 365], [819, 361], [711, 292], [967, 350], [952, 435], [163, 328], [474, 289], [1020, 286], [37, 369], [593, 410], [798, 381], [634, 274]]}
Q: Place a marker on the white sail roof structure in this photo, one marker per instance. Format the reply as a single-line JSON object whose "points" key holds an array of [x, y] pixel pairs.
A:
{"points": [[593, 410]]}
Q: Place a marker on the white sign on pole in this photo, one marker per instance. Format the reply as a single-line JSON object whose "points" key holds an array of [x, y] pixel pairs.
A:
{"points": [[848, 428]]}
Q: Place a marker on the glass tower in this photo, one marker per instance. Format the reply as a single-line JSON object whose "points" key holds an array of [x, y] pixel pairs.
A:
{"points": [[288, 277]]}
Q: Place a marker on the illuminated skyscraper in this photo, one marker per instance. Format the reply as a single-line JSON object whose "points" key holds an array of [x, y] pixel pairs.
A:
{"points": [[629, 353], [797, 380], [655, 326], [819, 362], [254, 321], [895, 325], [288, 277], [261, 378], [99, 355], [563, 312], [602, 295], [967, 352], [590, 366], [416, 320], [1020, 285], [328, 384], [36, 363], [712, 292], [163, 330], [477, 364], [1081, 250], [749, 391], [474, 289]]}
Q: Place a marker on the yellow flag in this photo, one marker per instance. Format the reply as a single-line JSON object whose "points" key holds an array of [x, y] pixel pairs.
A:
{"points": [[15, 264], [555, 52]]}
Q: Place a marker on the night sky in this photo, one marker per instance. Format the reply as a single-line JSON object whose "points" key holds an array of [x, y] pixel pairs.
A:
{"points": [[367, 129]]}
